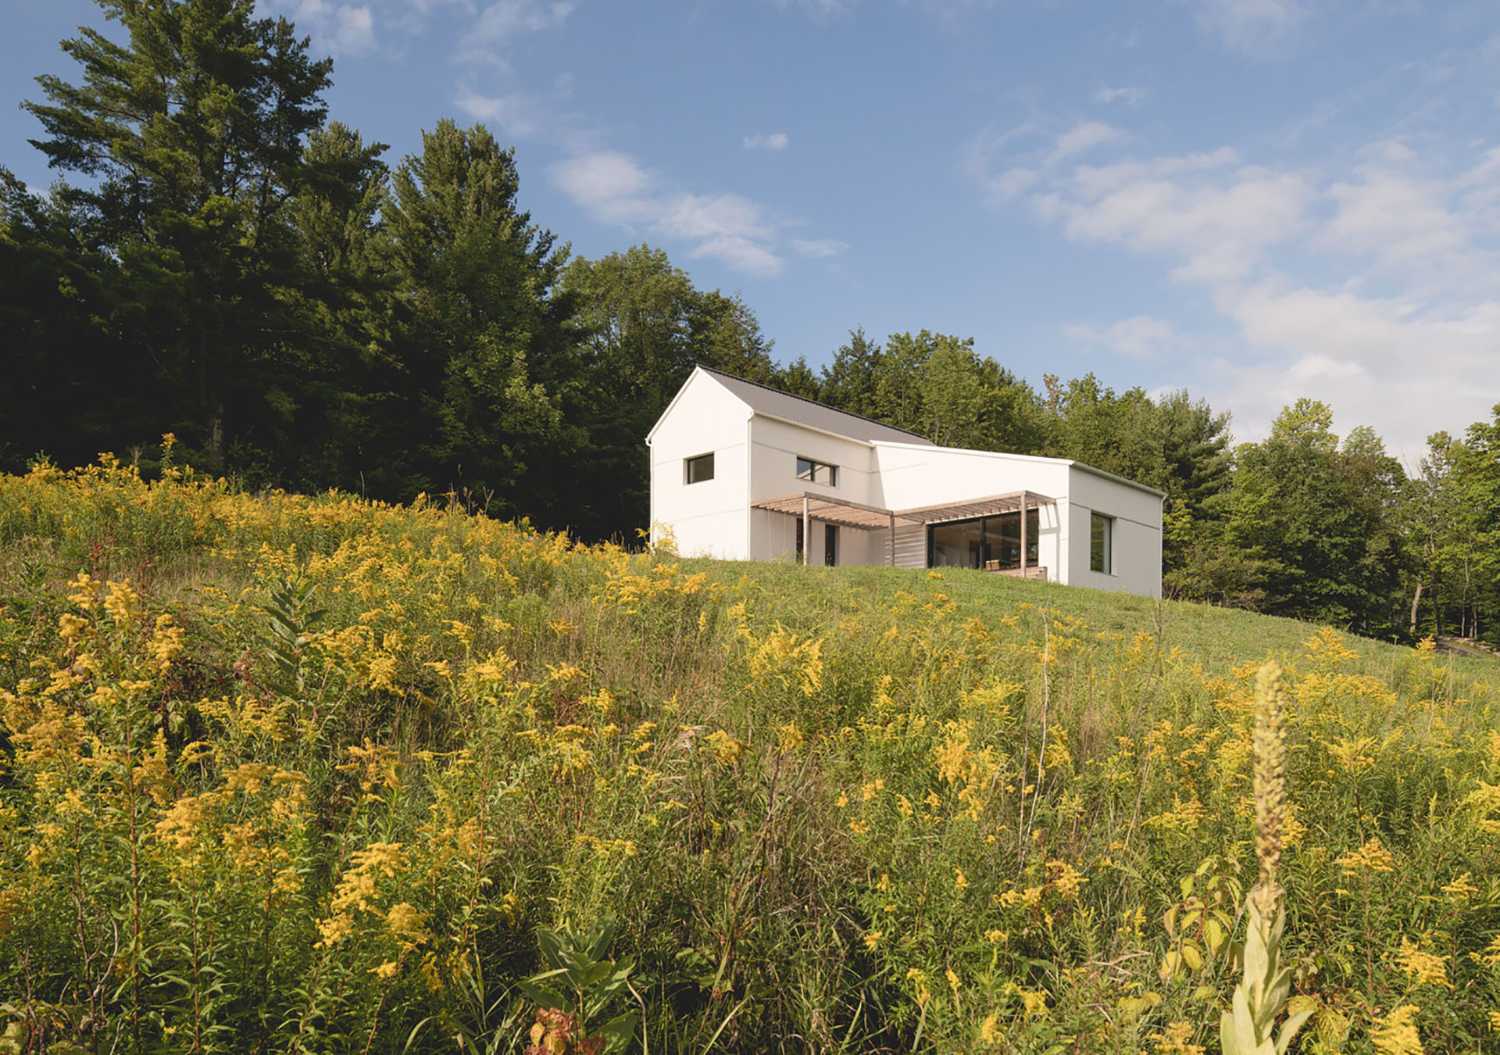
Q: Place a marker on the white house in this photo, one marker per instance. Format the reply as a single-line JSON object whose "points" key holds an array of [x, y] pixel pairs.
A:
{"points": [[744, 472]]}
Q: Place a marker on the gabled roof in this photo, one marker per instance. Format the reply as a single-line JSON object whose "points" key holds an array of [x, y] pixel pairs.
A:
{"points": [[773, 403]]}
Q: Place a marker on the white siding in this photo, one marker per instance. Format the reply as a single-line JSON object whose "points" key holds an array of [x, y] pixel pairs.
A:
{"points": [[775, 447], [912, 476], [708, 519], [1136, 560]]}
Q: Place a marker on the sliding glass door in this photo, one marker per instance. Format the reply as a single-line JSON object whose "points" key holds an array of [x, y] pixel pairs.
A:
{"points": [[974, 543]]}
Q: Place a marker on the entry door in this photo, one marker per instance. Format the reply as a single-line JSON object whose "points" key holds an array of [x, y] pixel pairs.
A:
{"points": [[830, 544]]}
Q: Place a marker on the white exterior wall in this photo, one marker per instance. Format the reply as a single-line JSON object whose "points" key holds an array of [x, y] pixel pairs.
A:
{"points": [[775, 447], [1136, 560], [912, 475], [707, 519]]}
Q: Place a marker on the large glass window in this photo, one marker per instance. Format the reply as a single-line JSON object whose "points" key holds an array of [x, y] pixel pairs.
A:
{"points": [[817, 472], [700, 468], [1102, 544], [978, 543]]}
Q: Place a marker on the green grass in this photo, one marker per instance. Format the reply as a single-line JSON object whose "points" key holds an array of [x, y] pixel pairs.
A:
{"points": [[1217, 638], [328, 776]]}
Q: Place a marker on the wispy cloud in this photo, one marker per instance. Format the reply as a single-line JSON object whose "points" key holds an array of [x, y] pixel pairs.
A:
{"points": [[1082, 138], [991, 160], [818, 248], [1250, 24], [616, 188], [1138, 337], [820, 9], [499, 23], [773, 141], [1122, 96], [1413, 324], [516, 113], [342, 29]]}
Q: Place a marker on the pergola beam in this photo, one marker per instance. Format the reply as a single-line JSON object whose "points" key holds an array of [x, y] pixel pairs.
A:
{"points": [[807, 505]]}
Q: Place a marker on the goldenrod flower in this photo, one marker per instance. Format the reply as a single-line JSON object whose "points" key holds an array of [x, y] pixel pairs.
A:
{"points": [[1396, 1033], [1371, 857]]}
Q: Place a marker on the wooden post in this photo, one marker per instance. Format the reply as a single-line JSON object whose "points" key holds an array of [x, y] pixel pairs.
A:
{"points": [[893, 540], [1023, 534], [806, 533]]}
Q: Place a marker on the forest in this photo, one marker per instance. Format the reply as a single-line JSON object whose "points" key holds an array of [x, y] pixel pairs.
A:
{"points": [[222, 260]]}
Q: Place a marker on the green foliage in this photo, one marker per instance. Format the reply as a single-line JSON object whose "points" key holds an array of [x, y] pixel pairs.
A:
{"points": [[223, 262], [853, 809], [1315, 523], [580, 981]]}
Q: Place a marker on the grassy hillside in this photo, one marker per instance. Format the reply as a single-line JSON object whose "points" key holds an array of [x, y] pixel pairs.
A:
{"points": [[306, 774]]}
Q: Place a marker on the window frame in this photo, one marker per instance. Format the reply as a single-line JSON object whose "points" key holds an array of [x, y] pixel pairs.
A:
{"points": [[813, 467], [992, 526], [698, 459], [1106, 562], [687, 468]]}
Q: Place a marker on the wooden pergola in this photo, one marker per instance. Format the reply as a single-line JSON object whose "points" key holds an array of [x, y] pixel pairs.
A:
{"points": [[810, 506]]}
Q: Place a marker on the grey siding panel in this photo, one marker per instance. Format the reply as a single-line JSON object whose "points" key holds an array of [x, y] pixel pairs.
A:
{"points": [[911, 545]]}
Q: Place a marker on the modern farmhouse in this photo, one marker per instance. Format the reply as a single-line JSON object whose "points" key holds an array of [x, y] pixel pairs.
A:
{"points": [[745, 472]]}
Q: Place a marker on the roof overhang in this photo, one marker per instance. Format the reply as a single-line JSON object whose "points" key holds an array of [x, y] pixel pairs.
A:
{"points": [[842, 511]]}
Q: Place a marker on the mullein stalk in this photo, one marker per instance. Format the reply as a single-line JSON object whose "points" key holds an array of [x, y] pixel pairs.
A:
{"points": [[1249, 1027]]}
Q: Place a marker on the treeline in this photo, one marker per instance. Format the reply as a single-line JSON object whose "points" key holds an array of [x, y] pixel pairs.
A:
{"points": [[223, 261]]}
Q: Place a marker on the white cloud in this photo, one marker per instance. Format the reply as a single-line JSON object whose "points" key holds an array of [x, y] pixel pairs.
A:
{"points": [[1082, 138], [1406, 367], [342, 29], [609, 184], [1138, 337], [614, 188], [1110, 96], [1405, 340], [503, 20], [773, 141], [517, 113], [1003, 182], [1216, 216], [1250, 24], [818, 248]]}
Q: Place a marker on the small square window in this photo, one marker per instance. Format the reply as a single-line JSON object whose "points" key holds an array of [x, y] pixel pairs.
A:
{"points": [[817, 472], [700, 468], [1102, 544]]}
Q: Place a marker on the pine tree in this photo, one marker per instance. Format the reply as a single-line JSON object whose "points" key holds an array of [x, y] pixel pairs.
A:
{"points": [[190, 134]]}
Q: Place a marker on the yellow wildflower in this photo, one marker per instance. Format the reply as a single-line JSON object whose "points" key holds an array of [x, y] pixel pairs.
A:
{"points": [[1371, 857], [1174, 1040], [1396, 1033], [726, 748]]}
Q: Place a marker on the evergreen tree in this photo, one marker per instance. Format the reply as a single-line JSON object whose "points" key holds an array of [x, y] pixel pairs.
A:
{"points": [[190, 133], [481, 334]]}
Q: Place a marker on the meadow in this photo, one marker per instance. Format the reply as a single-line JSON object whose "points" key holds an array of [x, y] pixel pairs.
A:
{"points": [[306, 773]]}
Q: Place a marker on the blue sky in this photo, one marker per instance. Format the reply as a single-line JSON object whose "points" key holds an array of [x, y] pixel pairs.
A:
{"points": [[1253, 199]]}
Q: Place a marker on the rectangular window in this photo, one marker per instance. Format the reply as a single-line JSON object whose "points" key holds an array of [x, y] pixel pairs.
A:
{"points": [[817, 472], [799, 540], [984, 542], [700, 468], [1102, 544], [830, 544]]}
